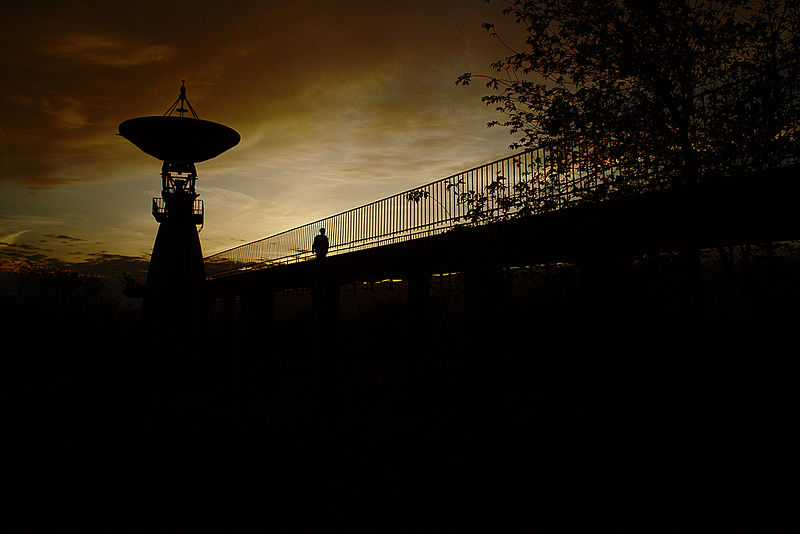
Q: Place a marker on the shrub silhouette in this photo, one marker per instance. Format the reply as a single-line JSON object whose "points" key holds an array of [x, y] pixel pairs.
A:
{"points": [[58, 289]]}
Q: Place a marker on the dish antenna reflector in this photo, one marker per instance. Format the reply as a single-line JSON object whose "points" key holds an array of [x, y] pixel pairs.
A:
{"points": [[179, 139]]}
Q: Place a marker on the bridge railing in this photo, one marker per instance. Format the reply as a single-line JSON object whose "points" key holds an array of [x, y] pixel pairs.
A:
{"points": [[542, 179], [535, 181]]}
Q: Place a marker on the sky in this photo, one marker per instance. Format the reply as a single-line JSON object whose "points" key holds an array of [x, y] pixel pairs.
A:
{"points": [[338, 103]]}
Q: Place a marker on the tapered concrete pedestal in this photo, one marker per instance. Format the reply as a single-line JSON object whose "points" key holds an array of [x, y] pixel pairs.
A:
{"points": [[173, 300]]}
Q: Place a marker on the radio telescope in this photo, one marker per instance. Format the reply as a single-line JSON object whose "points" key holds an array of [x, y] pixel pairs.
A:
{"points": [[175, 274]]}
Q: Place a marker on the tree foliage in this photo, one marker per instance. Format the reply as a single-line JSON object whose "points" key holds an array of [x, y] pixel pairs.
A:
{"points": [[680, 87], [55, 288]]}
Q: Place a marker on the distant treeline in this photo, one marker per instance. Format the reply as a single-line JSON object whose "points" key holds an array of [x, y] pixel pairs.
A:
{"points": [[51, 308]]}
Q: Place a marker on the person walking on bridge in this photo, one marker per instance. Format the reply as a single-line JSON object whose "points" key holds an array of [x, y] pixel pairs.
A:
{"points": [[320, 246]]}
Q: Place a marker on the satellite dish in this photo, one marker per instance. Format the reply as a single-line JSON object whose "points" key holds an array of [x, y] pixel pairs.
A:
{"points": [[179, 139]]}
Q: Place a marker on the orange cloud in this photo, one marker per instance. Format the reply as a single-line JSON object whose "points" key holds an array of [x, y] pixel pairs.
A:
{"points": [[108, 51]]}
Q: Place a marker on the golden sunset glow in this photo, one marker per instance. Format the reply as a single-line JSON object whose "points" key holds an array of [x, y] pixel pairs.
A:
{"points": [[337, 103]]}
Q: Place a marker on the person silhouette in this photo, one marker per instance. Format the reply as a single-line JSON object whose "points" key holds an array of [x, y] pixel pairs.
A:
{"points": [[320, 246]]}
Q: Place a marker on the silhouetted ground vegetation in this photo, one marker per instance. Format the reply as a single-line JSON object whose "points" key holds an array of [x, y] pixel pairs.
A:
{"points": [[576, 395], [62, 325]]}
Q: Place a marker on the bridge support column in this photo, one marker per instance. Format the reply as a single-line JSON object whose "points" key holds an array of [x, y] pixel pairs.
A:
{"points": [[419, 296], [485, 345], [325, 303], [209, 310], [228, 317], [326, 355], [420, 349], [257, 321], [484, 294], [258, 311]]}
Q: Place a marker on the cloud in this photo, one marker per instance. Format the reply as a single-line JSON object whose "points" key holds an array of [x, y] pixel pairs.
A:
{"points": [[10, 239], [69, 112], [63, 237], [106, 264], [13, 255], [108, 51]]}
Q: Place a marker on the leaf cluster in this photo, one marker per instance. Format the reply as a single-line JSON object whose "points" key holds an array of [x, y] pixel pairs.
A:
{"points": [[689, 84]]}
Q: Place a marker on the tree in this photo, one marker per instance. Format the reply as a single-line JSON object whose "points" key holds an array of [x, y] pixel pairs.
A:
{"points": [[669, 89], [55, 289], [632, 95]]}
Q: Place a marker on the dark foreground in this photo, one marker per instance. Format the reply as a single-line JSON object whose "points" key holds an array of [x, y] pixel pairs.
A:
{"points": [[618, 412]]}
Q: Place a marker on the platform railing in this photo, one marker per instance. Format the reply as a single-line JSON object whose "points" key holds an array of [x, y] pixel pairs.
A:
{"points": [[160, 210]]}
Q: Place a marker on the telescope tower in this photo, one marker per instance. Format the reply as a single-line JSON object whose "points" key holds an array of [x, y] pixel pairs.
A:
{"points": [[173, 289]]}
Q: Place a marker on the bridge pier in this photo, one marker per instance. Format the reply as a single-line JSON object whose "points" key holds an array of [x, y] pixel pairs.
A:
{"points": [[258, 311], [326, 353], [485, 345], [484, 293], [257, 324], [419, 349], [325, 304], [228, 317], [419, 296]]}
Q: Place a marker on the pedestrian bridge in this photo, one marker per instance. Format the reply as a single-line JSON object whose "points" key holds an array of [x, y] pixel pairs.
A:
{"points": [[545, 203]]}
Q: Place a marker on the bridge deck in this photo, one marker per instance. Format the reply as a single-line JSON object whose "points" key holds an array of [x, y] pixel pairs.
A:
{"points": [[752, 208]]}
